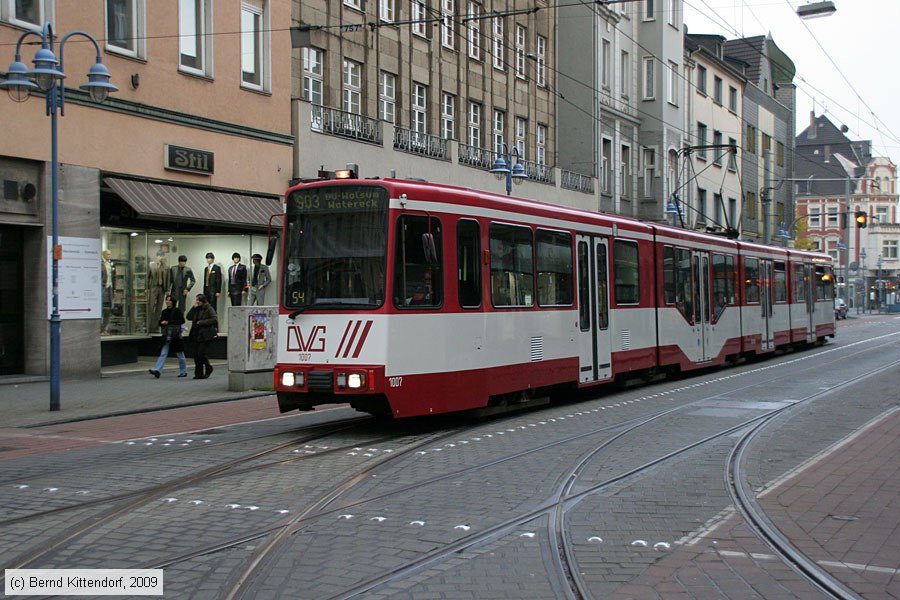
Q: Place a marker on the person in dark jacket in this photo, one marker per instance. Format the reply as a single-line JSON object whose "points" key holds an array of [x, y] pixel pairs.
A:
{"points": [[170, 321], [204, 329]]}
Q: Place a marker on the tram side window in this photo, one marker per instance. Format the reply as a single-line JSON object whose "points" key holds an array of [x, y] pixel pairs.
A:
{"points": [[468, 263], [723, 282], [780, 282], [417, 262], [751, 280], [668, 275], [554, 268], [627, 273], [799, 283], [824, 283], [512, 266]]}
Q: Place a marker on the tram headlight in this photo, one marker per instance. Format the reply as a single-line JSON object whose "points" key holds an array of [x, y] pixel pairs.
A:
{"points": [[292, 379], [356, 381]]}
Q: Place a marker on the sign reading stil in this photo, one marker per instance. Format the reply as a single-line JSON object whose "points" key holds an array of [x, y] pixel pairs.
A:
{"points": [[192, 160]]}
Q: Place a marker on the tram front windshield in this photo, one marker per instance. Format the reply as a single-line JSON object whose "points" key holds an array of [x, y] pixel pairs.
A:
{"points": [[335, 248]]}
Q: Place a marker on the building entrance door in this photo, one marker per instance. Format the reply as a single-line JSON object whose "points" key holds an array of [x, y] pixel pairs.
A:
{"points": [[12, 348]]}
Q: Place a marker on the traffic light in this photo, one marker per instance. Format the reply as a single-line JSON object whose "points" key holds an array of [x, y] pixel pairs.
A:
{"points": [[862, 219]]}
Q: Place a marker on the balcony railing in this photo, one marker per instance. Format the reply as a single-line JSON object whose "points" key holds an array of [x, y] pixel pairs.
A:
{"points": [[420, 143], [345, 124], [576, 181], [476, 157], [538, 172]]}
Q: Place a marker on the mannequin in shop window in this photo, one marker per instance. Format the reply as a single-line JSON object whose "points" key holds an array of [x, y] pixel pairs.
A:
{"points": [[212, 281], [157, 288], [260, 278], [106, 288], [182, 280], [237, 280]]}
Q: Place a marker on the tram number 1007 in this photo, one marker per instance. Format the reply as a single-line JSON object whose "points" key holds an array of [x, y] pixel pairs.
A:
{"points": [[395, 382]]}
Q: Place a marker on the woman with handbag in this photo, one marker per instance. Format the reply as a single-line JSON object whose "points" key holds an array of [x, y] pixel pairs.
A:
{"points": [[204, 329], [170, 321]]}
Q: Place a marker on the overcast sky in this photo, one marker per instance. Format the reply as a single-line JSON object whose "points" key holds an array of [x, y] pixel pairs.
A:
{"points": [[846, 63]]}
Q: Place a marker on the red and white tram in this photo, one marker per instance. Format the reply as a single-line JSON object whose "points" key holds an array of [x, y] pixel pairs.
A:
{"points": [[409, 298]]}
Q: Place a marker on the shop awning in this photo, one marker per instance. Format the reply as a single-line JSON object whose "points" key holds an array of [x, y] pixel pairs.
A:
{"points": [[184, 204]]}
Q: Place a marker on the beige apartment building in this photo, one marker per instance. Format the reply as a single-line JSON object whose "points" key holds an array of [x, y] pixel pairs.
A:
{"points": [[191, 155]]}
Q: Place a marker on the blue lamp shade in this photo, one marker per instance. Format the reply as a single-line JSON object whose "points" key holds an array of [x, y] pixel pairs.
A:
{"points": [[672, 208], [98, 85], [17, 83], [500, 166], [518, 172], [45, 72]]}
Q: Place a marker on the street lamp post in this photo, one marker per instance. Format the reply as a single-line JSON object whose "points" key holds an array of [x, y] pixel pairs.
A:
{"points": [[865, 283], [47, 76], [878, 287], [503, 166]]}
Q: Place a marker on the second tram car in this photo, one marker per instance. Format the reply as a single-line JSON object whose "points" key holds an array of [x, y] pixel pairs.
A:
{"points": [[406, 298]]}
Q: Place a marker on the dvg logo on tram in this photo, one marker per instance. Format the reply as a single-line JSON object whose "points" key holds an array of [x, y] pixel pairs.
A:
{"points": [[314, 342], [351, 344]]}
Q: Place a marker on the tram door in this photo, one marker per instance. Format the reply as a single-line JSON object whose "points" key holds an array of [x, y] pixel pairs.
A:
{"points": [[809, 282], [702, 295], [766, 296], [593, 309]]}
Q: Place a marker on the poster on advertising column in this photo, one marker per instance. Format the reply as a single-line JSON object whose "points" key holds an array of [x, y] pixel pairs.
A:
{"points": [[80, 272]]}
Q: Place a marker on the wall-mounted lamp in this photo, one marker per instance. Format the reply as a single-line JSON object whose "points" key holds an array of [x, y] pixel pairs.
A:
{"points": [[815, 10]]}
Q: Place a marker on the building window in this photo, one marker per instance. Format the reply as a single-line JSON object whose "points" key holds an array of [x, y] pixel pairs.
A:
{"points": [[312, 75], [624, 170], [520, 51], [750, 141], [718, 209], [194, 35], [889, 249], [542, 144], [732, 154], [499, 119], [673, 84], [732, 99], [766, 143], [815, 218], [649, 10], [604, 63], [701, 204], [672, 12], [498, 42], [541, 60], [474, 31], [353, 4], [649, 80], [732, 211], [254, 44], [125, 26], [624, 73], [701, 79], [521, 129], [701, 140], [29, 13], [750, 206], [474, 124], [447, 31], [717, 89], [418, 14], [832, 216], [649, 156], [719, 152], [606, 166], [386, 10], [779, 154], [352, 90], [448, 116], [419, 114], [387, 87]]}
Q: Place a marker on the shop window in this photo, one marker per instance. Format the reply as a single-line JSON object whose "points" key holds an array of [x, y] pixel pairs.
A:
{"points": [[554, 268], [417, 262], [626, 270], [468, 263], [124, 285], [512, 266]]}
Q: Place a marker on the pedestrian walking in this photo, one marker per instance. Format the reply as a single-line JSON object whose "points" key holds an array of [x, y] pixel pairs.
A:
{"points": [[170, 321], [204, 329]]}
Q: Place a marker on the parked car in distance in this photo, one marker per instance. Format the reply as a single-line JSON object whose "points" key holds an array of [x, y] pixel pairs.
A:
{"points": [[840, 308]]}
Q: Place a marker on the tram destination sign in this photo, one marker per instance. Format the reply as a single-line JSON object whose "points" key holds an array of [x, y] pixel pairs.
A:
{"points": [[339, 198]]}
